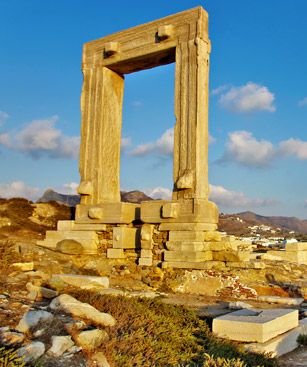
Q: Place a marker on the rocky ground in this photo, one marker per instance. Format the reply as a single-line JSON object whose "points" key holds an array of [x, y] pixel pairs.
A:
{"points": [[36, 316]]}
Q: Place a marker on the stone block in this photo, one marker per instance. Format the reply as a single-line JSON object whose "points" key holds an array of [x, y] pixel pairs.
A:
{"points": [[281, 344], [190, 210], [281, 300], [27, 266], [81, 281], [108, 212], [190, 256], [187, 227], [70, 247], [146, 236], [65, 225], [146, 253], [255, 325], [85, 188], [170, 210], [186, 236], [296, 246], [126, 238], [246, 265], [145, 261], [299, 257], [187, 246], [236, 256], [212, 236], [194, 265], [115, 253]]}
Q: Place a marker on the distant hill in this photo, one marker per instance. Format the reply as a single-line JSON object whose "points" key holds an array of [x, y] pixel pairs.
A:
{"points": [[289, 223], [72, 200], [51, 195]]}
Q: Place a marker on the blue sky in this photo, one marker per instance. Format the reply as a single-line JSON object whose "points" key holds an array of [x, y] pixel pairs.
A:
{"points": [[258, 100]]}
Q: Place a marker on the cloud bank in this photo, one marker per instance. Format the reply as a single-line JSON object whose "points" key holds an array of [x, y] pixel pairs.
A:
{"points": [[250, 97], [18, 189], [244, 149], [227, 198]]}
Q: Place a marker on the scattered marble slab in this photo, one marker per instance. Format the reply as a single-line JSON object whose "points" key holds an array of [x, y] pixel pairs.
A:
{"points": [[281, 300], [255, 325], [281, 344]]}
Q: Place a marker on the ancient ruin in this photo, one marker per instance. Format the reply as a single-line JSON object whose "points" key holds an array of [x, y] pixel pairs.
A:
{"points": [[180, 232]]}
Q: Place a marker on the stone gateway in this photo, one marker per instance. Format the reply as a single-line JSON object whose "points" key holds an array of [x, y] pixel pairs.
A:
{"points": [[180, 232]]}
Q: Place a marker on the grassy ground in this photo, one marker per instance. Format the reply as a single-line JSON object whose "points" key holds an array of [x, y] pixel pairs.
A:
{"points": [[149, 333]]}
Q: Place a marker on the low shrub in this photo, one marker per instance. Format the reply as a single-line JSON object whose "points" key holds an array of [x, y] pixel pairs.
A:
{"points": [[302, 339]]}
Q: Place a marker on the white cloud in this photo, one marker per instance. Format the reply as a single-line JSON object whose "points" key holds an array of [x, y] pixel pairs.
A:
{"points": [[246, 98], [211, 139], [303, 102], [19, 189], [126, 143], [41, 138], [5, 139], [159, 193], [163, 146], [219, 90], [227, 198], [305, 204], [69, 188], [294, 147], [3, 117], [137, 103], [244, 149]]}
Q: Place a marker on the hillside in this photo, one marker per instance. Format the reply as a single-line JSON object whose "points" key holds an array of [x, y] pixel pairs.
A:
{"points": [[289, 223]]}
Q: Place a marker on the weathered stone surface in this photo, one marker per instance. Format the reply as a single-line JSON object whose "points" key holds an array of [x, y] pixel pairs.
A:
{"points": [[236, 256], [187, 227], [80, 281], [187, 246], [91, 339], [145, 261], [255, 325], [212, 236], [28, 266], [32, 351], [146, 236], [60, 344], [170, 210], [146, 253], [193, 265], [281, 344], [41, 292], [76, 308], [195, 256], [246, 265], [126, 238], [281, 300], [186, 236], [71, 247], [31, 319], [299, 257], [296, 246], [115, 253]]}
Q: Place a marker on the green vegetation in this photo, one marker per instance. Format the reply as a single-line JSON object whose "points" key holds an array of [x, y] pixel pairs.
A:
{"points": [[150, 333], [9, 358], [302, 339]]}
